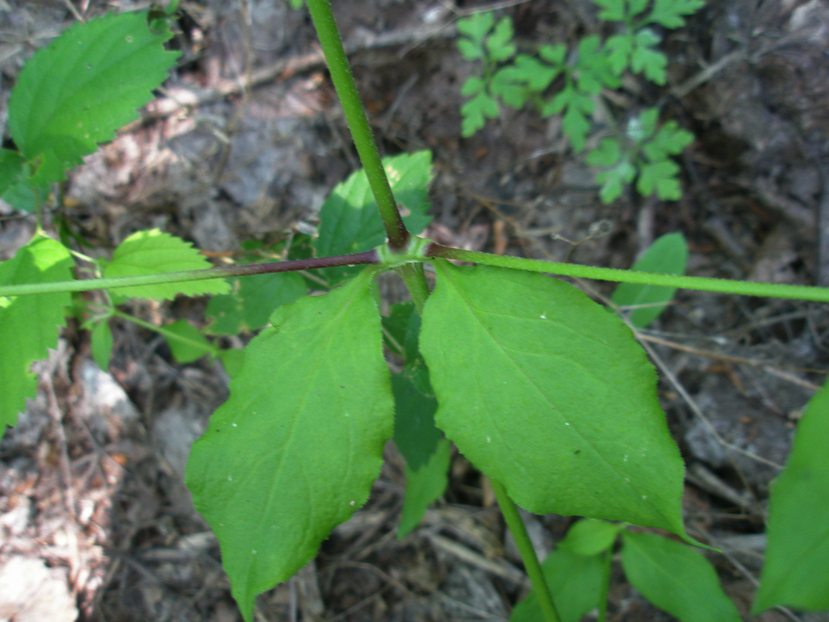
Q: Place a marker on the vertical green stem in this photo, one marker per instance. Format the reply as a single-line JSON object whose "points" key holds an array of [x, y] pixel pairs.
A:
{"points": [[525, 548], [355, 116]]}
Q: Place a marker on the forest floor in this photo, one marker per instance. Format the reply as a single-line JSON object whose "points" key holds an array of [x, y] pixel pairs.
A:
{"points": [[244, 144]]}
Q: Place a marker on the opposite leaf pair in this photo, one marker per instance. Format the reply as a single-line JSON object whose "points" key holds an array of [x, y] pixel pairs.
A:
{"points": [[542, 389]]}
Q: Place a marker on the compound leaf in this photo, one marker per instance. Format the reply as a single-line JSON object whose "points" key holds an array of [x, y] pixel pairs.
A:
{"points": [[472, 86], [796, 568], [153, 251], [548, 393], [295, 449], [29, 325], [669, 140], [499, 43], [470, 50], [667, 255], [675, 578], [424, 486], [619, 49], [508, 83], [660, 178], [477, 25], [74, 94], [476, 111], [672, 13], [576, 583], [611, 10], [349, 219], [575, 123], [648, 60]]}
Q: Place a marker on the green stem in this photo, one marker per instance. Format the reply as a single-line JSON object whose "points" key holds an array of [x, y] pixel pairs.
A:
{"points": [[355, 116], [209, 349], [702, 284], [528, 556]]}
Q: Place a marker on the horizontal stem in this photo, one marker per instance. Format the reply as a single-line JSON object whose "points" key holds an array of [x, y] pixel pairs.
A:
{"points": [[702, 284], [222, 272], [208, 348]]}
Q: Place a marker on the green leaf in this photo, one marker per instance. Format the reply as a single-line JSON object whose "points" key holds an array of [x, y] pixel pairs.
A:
{"points": [[534, 74], [423, 487], [349, 220], [614, 180], [476, 26], [415, 433], [295, 449], [101, 344], [29, 325], [554, 54], [619, 49], [590, 537], [669, 140], [619, 173], [667, 255], [575, 124], [648, 60], [472, 86], [11, 169], [608, 153], [611, 10], [476, 111], [508, 84], [660, 178], [74, 94], [549, 394], [251, 302], [671, 13], [470, 50], [575, 582], [499, 43], [796, 567], [186, 342], [676, 578], [593, 68], [15, 188], [151, 252]]}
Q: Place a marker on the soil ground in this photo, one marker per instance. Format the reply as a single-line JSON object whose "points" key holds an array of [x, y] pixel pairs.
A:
{"points": [[244, 144]]}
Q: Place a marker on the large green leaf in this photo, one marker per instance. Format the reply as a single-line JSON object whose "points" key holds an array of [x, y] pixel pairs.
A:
{"points": [[151, 252], [549, 394], [349, 220], [295, 449], [796, 568], [75, 93], [667, 255], [676, 578], [29, 325]]}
